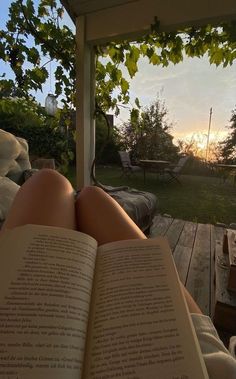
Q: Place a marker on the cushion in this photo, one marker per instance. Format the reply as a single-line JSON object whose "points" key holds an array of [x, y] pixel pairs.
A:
{"points": [[8, 190], [14, 156], [139, 205]]}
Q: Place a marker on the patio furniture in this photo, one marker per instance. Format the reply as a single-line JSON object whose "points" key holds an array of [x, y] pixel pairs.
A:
{"points": [[157, 166], [176, 170], [226, 170], [44, 163], [127, 166], [141, 206]]}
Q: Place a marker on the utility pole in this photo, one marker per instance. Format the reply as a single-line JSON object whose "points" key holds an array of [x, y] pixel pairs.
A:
{"points": [[208, 135]]}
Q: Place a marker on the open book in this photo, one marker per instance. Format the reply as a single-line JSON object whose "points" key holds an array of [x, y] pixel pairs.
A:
{"points": [[69, 309]]}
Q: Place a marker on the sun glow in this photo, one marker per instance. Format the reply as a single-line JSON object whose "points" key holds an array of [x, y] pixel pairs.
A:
{"points": [[197, 142]]}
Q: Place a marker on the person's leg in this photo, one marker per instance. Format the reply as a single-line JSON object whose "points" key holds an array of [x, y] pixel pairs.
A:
{"points": [[102, 217], [47, 198]]}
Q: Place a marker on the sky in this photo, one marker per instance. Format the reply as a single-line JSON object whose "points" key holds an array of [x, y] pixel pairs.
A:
{"points": [[189, 90]]}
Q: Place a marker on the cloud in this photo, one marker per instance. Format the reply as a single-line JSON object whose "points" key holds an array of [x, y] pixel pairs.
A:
{"points": [[189, 89]]}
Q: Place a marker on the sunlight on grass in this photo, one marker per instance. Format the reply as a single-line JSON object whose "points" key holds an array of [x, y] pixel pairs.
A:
{"points": [[199, 198]]}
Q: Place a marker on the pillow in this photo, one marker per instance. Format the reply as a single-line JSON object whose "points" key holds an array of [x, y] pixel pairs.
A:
{"points": [[8, 190], [9, 150]]}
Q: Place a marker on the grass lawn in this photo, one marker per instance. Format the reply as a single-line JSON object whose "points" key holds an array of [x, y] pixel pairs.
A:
{"points": [[199, 198]]}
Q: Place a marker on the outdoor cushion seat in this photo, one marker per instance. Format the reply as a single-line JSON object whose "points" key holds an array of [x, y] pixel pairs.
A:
{"points": [[15, 168], [14, 162], [139, 205]]}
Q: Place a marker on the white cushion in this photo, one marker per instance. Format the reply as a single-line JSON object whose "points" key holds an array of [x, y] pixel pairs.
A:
{"points": [[10, 147], [14, 156], [8, 190]]}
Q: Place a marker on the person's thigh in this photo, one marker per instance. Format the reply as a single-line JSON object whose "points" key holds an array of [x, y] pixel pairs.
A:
{"points": [[47, 198]]}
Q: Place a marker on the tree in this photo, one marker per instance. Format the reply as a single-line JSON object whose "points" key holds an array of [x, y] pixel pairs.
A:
{"points": [[43, 26], [107, 143], [196, 147], [148, 136], [228, 146]]}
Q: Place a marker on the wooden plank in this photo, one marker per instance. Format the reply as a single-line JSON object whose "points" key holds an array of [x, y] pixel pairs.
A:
{"points": [[174, 232], [183, 250], [231, 239], [198, 280], [217, 235], [222, 272], [160, 226], [225, 308]]}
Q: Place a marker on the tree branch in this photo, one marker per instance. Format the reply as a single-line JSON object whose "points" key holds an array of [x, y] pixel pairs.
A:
{"points": [[35, 33]]}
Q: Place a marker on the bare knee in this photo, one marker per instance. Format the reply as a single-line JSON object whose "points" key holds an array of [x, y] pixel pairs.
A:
{"points": [[50, 179], [90, 197], [47, 174], [92, 191]]}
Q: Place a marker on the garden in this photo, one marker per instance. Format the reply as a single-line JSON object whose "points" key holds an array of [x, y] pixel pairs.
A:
{"points": [[26, 48], [203, 199]]}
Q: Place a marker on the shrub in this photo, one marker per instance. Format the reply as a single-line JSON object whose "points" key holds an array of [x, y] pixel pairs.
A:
{"points": [[27, 119], [196, 166]]}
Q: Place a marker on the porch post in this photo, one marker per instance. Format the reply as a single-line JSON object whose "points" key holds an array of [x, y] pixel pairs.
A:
{"points": [[85, 105]]}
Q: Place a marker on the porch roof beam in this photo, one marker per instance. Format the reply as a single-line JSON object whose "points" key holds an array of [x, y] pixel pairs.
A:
{"points": [[112, 20]]}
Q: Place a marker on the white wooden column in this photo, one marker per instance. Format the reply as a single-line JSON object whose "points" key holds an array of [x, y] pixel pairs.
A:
{"points": [[85, 103]]}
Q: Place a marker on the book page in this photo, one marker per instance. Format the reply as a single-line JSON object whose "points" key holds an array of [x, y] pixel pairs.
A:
{"points": [[46, 277], [140, 327]]}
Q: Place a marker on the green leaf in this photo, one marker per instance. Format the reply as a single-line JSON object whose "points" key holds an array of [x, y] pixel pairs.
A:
{"points": [[137, 102], [217, 57], [131, 66], [112, 52], [189, 50], [134, 115], [38, 75], [155, 59], [134, 53], [143, 49], [124, 85], [33, 55], [150, 52]]}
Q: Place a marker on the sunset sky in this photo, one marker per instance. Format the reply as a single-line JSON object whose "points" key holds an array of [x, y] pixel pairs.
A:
{"points": [[189, 90]]}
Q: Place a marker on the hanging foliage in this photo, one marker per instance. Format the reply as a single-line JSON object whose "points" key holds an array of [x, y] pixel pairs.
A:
{"points": [[35, 31]]}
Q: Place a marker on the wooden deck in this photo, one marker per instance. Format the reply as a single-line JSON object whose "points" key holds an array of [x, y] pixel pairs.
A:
{"points": [[193, 246]]}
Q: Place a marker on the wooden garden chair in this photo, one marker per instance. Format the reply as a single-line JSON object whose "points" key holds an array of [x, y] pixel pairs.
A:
{"points": [[175, 171], [127, 166]]}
